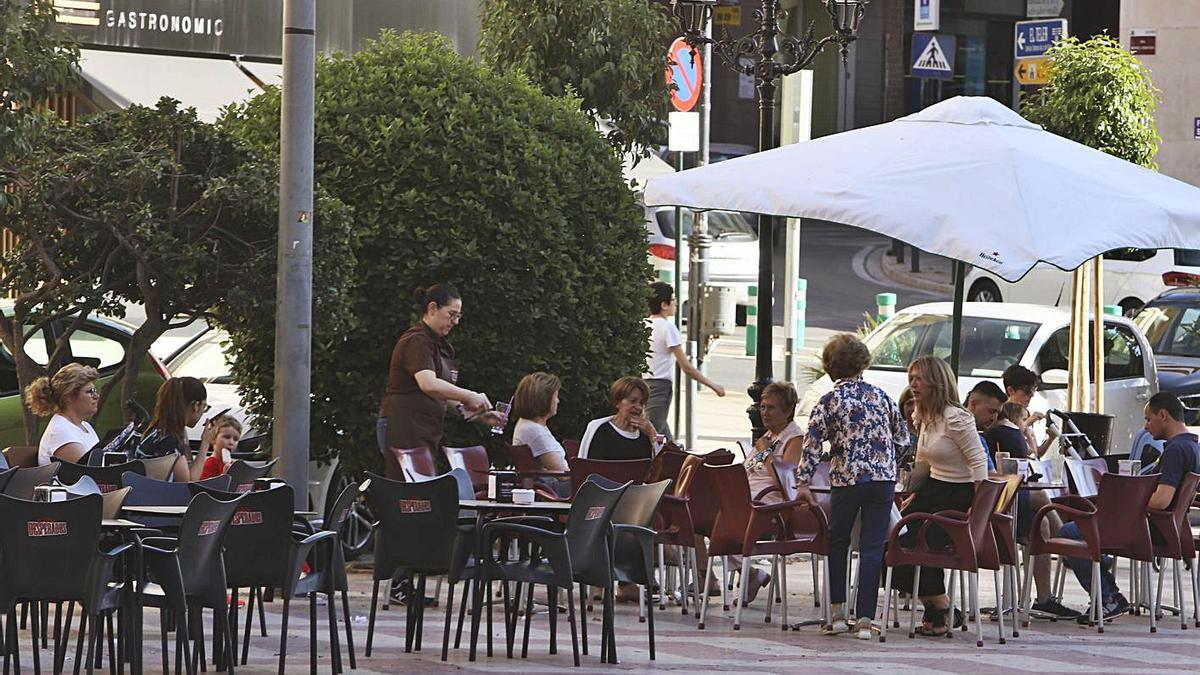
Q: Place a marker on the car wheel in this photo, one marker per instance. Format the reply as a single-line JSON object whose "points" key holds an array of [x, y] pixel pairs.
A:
{"points": [[984, 291], [356, 533], [1130, 307]]}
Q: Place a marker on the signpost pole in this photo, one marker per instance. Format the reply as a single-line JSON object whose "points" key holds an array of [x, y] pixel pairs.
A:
{"points": [[293, 314]]}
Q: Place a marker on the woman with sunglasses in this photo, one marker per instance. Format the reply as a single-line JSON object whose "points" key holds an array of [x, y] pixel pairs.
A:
{"points": [[180, 403], [423, 380], [71, 399]]}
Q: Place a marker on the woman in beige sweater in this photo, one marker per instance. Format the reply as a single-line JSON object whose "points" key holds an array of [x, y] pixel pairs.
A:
{"points": [[949, 443]]}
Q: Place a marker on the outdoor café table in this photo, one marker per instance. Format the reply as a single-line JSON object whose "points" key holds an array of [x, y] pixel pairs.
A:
{"points": [[178, 511]]}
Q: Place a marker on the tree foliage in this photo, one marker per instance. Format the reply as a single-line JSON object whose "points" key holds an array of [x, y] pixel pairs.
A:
{"points": [[1099, 95], [609, 53], [459, 173]]}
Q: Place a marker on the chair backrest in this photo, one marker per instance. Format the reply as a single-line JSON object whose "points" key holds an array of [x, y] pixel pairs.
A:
{"points": [[409, 513], [523, 459], [472, 459], [731, 488], [640, 502], [588, 524], [150, 492], [113, 501], [5, 476], [418, 460], [46, 549], [161, 468], [1121, 508], [21, 456], [259, 537], [1012, 485], [460, 476], [983, 505], [202, 535], [108, 478], [82, 487], [785, 477], [719, 457], [702, 496], [242, 474], [23, 482], [1184, 496], [618, 470], [666, 464], [571, 447], [1082, 478], [687, 473]]}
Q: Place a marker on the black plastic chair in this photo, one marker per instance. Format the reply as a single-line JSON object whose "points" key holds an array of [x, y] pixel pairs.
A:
{"points": [[108, 478], [425, 512], [338, 514], [49, 552], [150, 492], [243, 473], [581, 553], [189, 575], [22, 483], [5, 476], [262, 551]]}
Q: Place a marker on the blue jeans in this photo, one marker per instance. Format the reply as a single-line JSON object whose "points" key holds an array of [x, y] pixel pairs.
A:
{"points": [[1082, 568], [874, 501]]}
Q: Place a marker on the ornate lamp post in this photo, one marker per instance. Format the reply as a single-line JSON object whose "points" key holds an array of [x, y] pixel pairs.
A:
{"points": [[764, 47]]}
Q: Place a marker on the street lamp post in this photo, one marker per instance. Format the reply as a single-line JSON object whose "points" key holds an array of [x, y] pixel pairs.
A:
{"points": [[764, 47]]}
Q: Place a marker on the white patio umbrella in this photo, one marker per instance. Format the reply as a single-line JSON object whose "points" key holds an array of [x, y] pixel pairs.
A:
{"points": [[967, 179]]}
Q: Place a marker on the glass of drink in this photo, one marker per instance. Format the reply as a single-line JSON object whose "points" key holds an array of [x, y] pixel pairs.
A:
{"points": [[502, 409]]}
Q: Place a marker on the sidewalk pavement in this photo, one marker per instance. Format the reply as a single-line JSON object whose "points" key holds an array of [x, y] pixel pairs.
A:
{"points": [[936, 273]]}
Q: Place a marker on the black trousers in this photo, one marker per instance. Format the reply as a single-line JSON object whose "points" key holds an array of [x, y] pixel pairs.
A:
{"points": [[934, 496]]}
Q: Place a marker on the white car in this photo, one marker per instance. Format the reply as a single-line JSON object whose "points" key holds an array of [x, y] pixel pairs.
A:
{"points": [[996, 336], [732, 257], [1132, 276]]}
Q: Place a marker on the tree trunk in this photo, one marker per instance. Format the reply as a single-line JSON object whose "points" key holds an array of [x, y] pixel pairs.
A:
{"points": [[12, 334]]}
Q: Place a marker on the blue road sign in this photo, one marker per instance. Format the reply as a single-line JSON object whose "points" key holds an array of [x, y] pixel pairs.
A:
{"points": [[933, 55], [1034, 38]]}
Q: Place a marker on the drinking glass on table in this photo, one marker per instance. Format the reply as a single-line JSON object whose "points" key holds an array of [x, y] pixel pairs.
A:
{"points": [[502, 409]]}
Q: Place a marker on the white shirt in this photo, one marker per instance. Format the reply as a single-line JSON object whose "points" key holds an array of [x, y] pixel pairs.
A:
{"points": [[592, 426], [660, 363], [61, 431], [537, 437]]}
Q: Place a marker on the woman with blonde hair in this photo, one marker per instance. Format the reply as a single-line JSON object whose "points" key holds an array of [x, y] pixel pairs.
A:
{"points": [[70, 398], [949, 444]]}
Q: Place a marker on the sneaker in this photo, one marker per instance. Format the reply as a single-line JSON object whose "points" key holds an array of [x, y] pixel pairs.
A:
{"points": [[863, 629], [1112, 609], [1052, 608], [838, 626]]}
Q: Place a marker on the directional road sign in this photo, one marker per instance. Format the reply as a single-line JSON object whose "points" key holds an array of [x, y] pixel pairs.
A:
{"points": [[933, 55], [1032, 71], [686, 71], [1034, 38]]}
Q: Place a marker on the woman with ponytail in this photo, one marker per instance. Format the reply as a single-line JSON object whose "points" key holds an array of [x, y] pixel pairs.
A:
{"points": [[180, 403], [422, 381], [70, 398]]}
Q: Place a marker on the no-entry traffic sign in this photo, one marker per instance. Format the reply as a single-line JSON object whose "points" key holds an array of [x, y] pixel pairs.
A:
{"points": [[685, 70]]}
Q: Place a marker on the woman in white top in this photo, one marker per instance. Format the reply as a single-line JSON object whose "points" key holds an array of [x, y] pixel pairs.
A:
{"points": [[534, 403], [666, 351], [71, 398], [949, 443]]}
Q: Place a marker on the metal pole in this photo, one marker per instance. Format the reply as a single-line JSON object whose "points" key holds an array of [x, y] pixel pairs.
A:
{"points": [[698, 245], [1098, 334], [960, 272], [293, 315], [678, 282]]}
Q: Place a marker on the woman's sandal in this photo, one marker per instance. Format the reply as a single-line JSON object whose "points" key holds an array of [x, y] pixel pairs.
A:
{"points": [[937, 622]]}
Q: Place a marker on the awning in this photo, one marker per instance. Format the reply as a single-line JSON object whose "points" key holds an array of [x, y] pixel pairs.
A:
{"points": [[207, 85]]}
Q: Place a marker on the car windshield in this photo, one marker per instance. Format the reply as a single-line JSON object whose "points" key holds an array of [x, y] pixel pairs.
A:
{"points": [[988, 345], [1171, 329], [205, 360], [722, 225]]}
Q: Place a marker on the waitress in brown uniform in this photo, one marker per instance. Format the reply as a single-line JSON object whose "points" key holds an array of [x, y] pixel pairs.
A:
{"points": [[422, 380]]}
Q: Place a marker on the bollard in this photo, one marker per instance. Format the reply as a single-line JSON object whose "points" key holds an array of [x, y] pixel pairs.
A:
{"points": [[916, 260], [752, 323], [667, 276], [1113, 310], [885, 306]]}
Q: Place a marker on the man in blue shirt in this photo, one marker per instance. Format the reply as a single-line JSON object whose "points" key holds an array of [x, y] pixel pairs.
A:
{"points": [[1181, 455]]}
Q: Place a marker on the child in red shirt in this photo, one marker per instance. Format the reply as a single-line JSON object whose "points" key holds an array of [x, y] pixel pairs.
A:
{"points": [[229, 432]]}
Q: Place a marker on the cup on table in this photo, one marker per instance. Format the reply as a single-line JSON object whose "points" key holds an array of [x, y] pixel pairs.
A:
{"points": [[1129, 467]]}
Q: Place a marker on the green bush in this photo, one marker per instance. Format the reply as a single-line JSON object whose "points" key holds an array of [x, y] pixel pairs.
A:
{"points": [[459, 173]]}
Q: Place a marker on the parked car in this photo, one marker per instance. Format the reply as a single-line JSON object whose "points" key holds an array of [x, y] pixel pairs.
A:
{"points": [[98, 342], [1171, 323], [996, 336], [732, 258], [1132, 276]]}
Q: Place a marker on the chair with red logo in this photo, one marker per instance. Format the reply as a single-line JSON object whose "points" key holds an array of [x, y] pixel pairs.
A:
{"points": [[242, 473], [425, 512], [262, 551], [108, 478]]}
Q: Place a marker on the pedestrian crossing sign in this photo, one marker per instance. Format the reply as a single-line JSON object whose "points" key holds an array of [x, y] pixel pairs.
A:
{"points": [[933, 55]]}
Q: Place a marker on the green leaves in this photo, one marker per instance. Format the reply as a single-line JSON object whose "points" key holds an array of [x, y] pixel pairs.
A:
{"points": [[1099, 95], [459, 173]]}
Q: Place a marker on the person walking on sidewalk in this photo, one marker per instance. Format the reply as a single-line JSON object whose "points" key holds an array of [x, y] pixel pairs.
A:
{"points": [[865, 432], [665, 351]]}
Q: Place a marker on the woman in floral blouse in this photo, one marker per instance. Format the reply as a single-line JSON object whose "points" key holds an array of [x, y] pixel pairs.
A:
{"points": [[863, 427]]}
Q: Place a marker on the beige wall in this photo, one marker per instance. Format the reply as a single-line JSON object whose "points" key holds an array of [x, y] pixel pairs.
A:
{"points": [[1175, 72]]}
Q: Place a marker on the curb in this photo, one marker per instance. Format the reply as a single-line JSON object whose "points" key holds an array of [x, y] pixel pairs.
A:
{"points": [[898, 275]]}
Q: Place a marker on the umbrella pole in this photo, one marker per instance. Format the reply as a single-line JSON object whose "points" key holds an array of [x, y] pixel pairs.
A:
{"points": [[960, 273]]}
